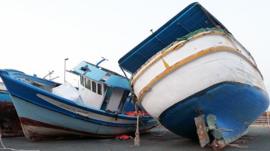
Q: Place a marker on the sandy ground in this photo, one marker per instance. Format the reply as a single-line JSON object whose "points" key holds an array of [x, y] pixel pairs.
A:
{"points": [[158, 139]]}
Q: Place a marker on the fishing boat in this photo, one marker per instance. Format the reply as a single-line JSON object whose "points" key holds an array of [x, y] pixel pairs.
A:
{"points": [[98, 107], [9, 121], [197, 79]]}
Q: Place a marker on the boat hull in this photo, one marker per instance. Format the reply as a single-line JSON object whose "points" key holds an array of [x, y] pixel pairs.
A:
{"points": [[9, 121], [215, 66], [235, 106], [40, 123], [44, 115]]}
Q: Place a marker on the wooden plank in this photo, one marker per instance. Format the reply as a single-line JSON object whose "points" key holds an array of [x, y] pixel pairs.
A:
{"points": [[202, 130]]}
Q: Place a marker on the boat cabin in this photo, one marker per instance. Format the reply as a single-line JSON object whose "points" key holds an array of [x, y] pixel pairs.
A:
{"points": [[101, 88]]}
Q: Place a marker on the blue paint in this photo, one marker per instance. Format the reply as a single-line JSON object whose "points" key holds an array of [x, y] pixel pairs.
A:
{"points": [[26, 110], [100, 74], [4, 97], [129, 105], [235, 105], [118, 82], [28, 93], [192, 18]]}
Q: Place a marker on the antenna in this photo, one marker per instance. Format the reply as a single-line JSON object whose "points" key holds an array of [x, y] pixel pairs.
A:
{"points": [[102, 60], [48, 74]]}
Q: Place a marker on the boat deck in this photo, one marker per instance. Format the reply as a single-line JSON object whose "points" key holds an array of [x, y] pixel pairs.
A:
{"points": [[158, 139]]}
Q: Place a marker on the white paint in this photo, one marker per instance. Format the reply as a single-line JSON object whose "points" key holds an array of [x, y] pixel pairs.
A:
{"points": [[195, 76], [192, 47], [90, 98], [2, 87], [82, 112], [115, 99], [67, 91]]}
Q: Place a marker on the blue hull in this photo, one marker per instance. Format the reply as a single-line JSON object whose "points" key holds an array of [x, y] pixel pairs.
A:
{"points": [[45, 123], [235, 105], [44, 114]]}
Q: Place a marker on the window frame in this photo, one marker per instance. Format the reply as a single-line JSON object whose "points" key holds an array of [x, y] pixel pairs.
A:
{"points": [[94, 86], [81, 79], [99, 88], [88, 84]]}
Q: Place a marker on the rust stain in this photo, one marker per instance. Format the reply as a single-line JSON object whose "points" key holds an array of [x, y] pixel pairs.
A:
{"points": [[202, 131], [9, 121]]}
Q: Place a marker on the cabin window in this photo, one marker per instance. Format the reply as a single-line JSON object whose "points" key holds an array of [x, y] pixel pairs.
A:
{"points": [[84, 81], [99, 89], [81, 79], [94, 87], [88, 84]]}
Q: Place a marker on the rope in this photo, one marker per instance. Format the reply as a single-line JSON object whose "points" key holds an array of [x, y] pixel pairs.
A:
{"points": [[137, 133]]}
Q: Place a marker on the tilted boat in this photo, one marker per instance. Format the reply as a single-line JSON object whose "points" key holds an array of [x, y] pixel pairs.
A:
{"points": [[9, 121], [97, 108], [197, 79]]}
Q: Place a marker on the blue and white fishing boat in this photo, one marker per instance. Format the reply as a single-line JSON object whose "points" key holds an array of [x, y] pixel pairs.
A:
{"points": [[197, 79], [9, 121], [97, 107]]}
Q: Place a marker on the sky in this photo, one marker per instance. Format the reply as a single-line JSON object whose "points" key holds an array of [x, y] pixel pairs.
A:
{"points": [[37, 35]]}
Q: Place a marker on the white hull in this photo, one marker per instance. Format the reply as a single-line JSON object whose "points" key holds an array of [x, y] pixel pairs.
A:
{"points": [[190, 66]]}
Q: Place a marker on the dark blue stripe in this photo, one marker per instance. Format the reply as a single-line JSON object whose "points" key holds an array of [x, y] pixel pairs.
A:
{"points": [[28, 93], [71, 114], [24, 94]]}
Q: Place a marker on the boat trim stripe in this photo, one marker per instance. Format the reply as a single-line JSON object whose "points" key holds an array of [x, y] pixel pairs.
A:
{"points": [[187, 60], [84, 113], [87, 119], [174, 46]]}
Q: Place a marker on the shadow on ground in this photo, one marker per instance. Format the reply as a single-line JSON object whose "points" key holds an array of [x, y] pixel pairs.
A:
{"points": [[157, 139]]}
